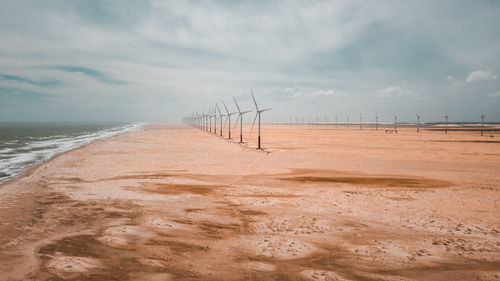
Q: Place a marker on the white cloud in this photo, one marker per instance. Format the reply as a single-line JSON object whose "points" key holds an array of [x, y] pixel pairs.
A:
{"points": [[286, 93], [329, 93], [393, 92], [295, 92], [481, 75]]}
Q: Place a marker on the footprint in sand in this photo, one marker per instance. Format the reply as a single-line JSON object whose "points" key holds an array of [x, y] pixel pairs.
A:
{"points": [[322, 275], [282, 247], [260, 266], [122, 236], [71, 267]]}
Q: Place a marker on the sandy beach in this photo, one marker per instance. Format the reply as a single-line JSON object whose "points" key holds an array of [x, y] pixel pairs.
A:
{"points": [[171, 202]]}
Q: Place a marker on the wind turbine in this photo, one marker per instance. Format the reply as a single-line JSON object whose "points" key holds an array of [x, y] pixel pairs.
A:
{"points": [[220, 118], [202, 119], [197, 119], [418, 122], [395, 123], [446, 126], [482, 123], [229, 118], [215, 118], [207, 116], [215, 121], [240, 117], [210, 115], [257, 114], [376, 121], [360, 122]]}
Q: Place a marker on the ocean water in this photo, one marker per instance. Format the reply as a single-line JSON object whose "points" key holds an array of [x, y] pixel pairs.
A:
{"points": [[23, 144]]}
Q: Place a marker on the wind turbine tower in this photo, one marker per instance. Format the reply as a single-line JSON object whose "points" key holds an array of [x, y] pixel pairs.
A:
{"points": [[482, 123], [202, 120], [446, 126], [229, 119], [418, 122], [220, 119], [257, 114], [210, 115], [215, 115], [240, 117], [206, 122]]}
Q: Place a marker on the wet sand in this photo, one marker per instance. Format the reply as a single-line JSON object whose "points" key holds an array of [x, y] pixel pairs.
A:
{"points": [[318, 203]]}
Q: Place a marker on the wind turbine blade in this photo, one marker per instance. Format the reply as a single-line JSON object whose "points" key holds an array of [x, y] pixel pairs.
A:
{"points": [[237, 106], [265, 109], [245, 112], [219, 110], [237, 119], [225, 120], [225, 108], [253, 97], [253, 123]]}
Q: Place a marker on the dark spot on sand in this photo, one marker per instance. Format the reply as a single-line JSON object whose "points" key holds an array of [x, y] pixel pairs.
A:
{"points": [[192, 210], [175, 189], [372, 181], [253, 212]]}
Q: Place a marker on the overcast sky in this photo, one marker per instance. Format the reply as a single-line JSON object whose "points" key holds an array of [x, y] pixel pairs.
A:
{"points": [[159, 60]]}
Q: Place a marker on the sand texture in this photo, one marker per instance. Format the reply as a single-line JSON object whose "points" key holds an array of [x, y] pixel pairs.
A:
{"points": [[174, 203]]}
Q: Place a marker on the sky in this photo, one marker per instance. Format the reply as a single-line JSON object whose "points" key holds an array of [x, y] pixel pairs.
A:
{"points": [[132, 60]]}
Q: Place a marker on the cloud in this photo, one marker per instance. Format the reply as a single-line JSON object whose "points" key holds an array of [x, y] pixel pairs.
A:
{"points": [[481, 75], [288, 93], [90, 73], [157, 60], [40, 83], [329, 93], [494, 95], [393, 92], [16, 93]]}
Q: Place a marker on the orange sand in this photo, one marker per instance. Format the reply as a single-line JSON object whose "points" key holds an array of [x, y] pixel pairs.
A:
{"points": [[174, 203]]}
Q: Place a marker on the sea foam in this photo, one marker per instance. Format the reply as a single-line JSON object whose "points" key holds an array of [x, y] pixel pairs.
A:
{"points": [[39, 149]]}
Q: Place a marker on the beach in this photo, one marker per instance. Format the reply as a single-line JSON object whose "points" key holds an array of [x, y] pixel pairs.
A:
{"points": [[171, 202]]}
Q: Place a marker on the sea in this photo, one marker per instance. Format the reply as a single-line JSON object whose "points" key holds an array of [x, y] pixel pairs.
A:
{"points": [[25, 144]]}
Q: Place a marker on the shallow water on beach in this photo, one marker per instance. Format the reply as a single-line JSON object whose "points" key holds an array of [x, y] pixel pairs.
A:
{"points": [[23, 144]]}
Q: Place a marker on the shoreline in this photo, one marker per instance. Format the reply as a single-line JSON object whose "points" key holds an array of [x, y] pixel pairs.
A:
{"points": [[170, 202], [25, 171]]}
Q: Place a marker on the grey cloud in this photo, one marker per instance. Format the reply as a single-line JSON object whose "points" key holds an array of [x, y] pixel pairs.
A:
{"points": [[90, 73], [167, 57], [393, 92], [481, 75], [40, 83], [289, 93]]}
